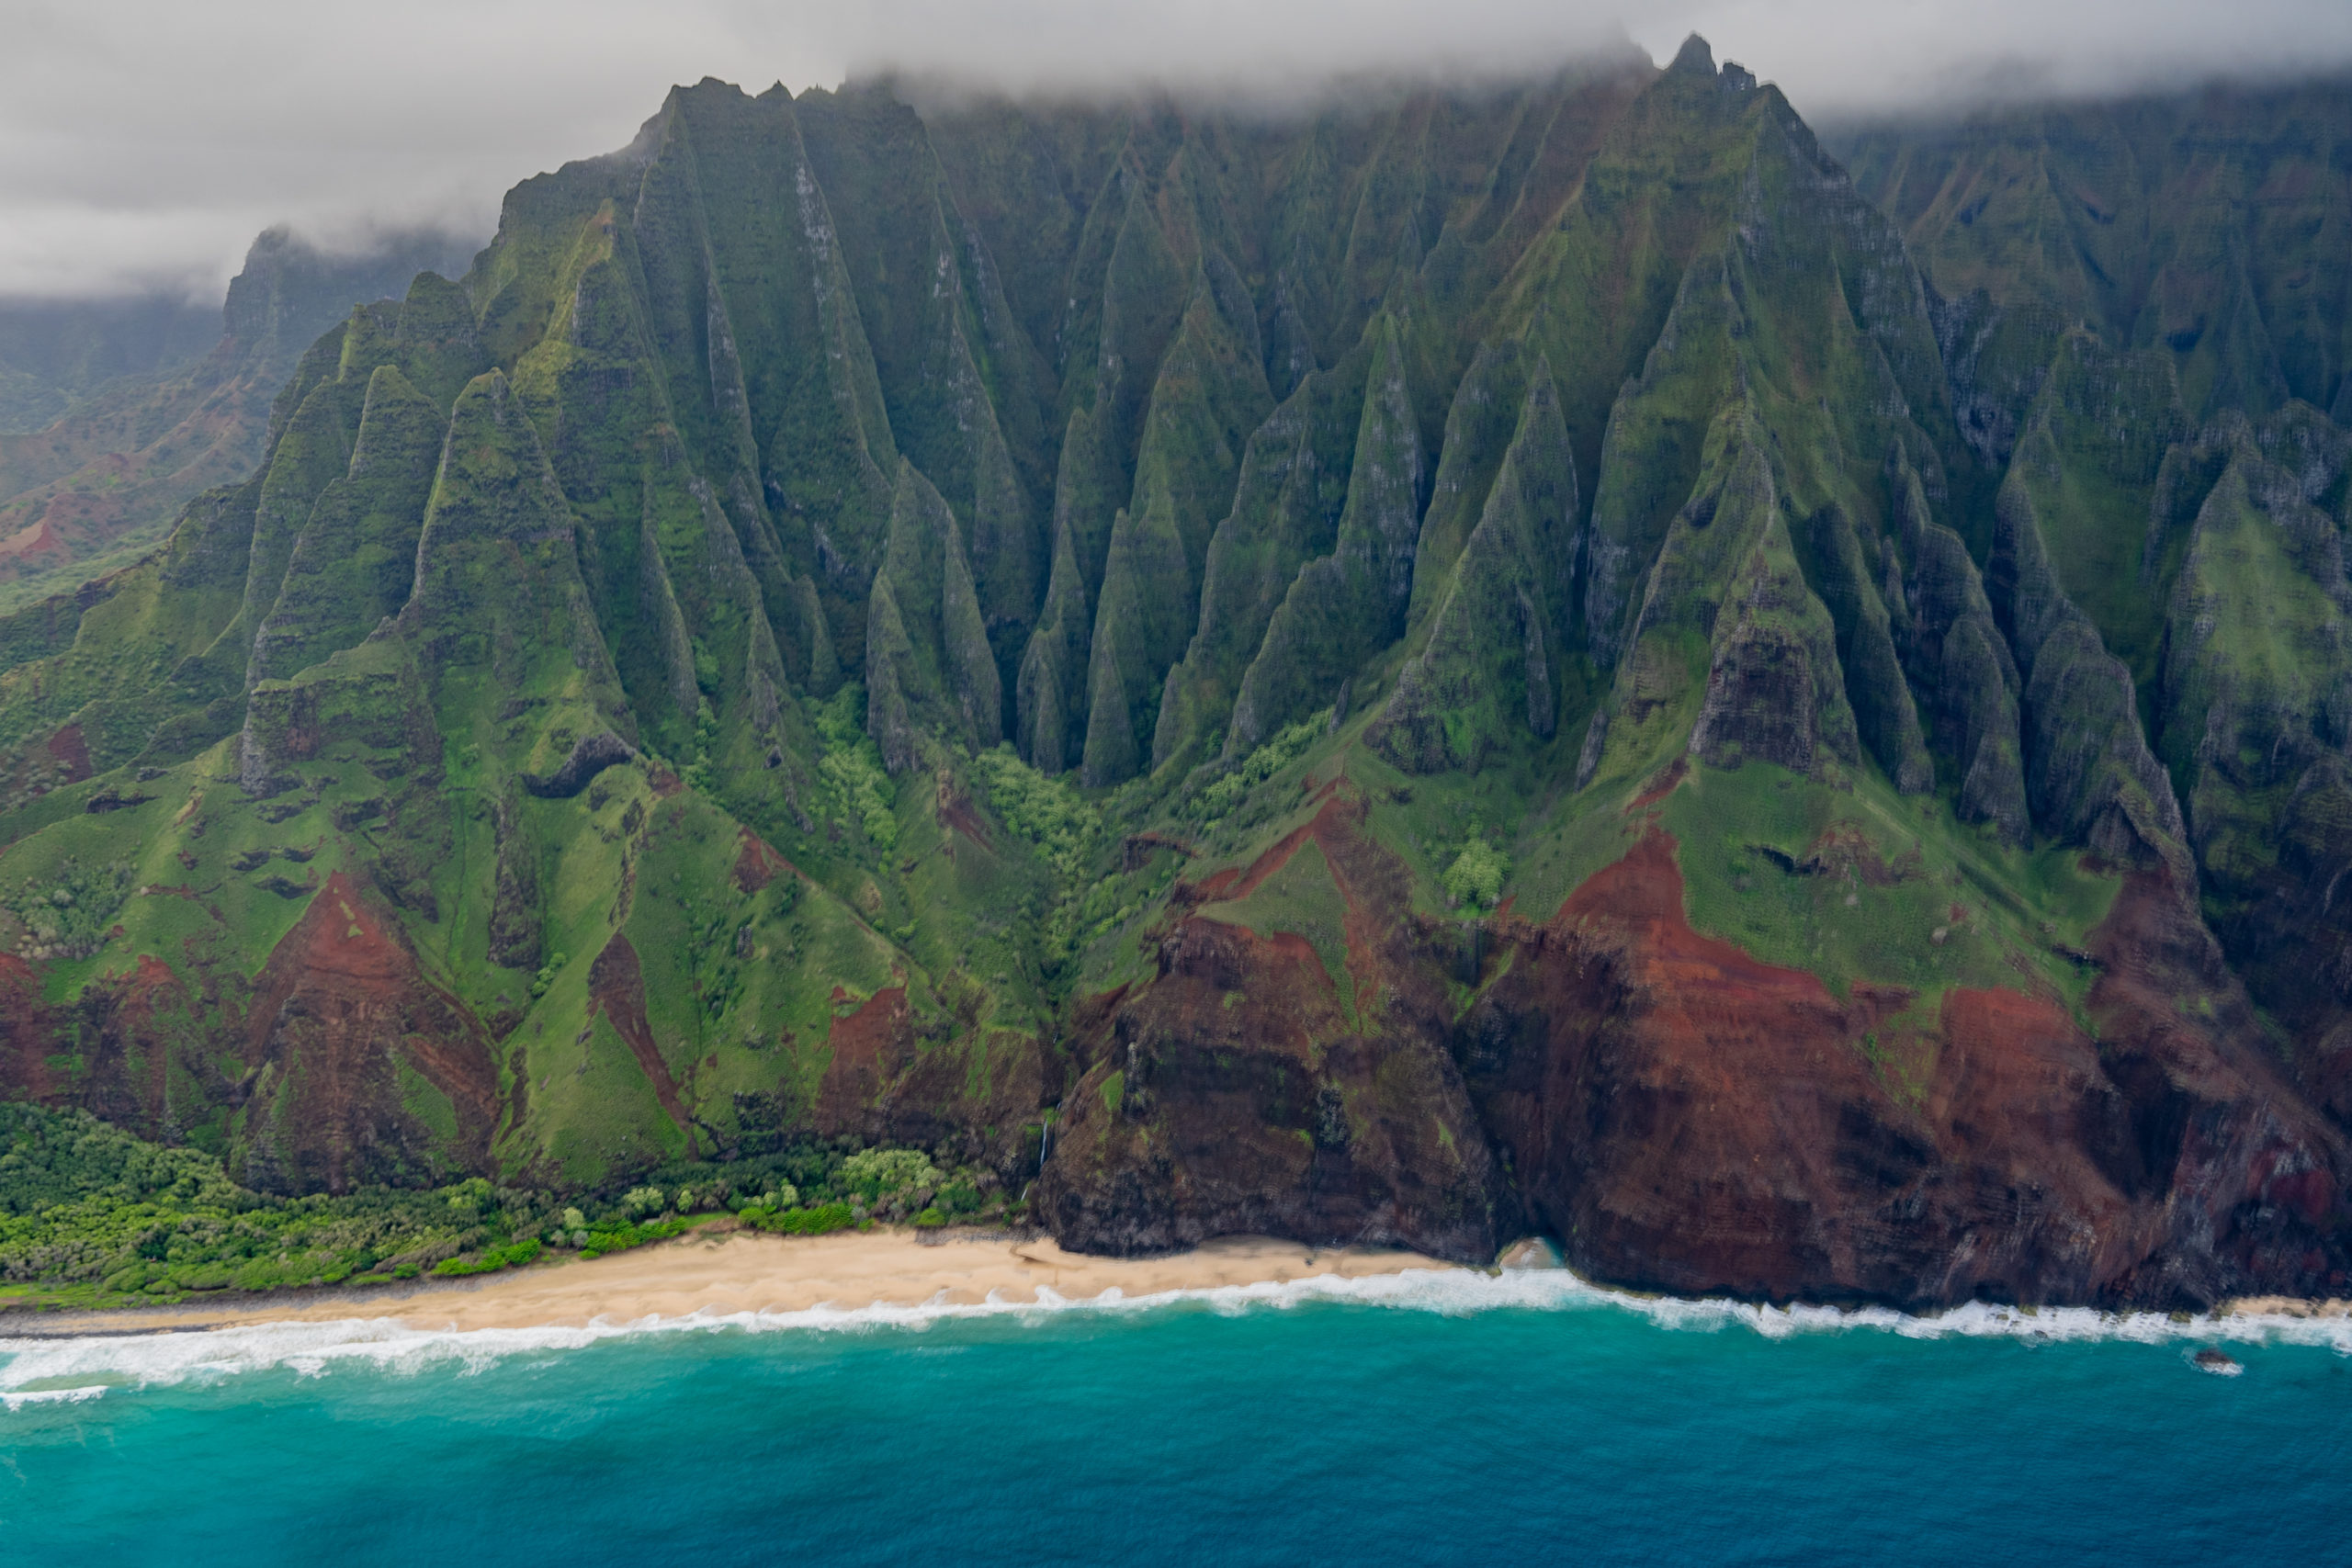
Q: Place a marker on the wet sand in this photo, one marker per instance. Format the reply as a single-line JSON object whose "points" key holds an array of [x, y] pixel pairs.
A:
{"points": [[735, 1271]]}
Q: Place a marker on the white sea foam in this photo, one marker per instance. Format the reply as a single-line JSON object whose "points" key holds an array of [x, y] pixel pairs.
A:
{"points": [[83, 1368], [51, 1397]]}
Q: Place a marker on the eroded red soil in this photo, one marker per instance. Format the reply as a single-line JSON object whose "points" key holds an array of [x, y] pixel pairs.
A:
{"points": [[871, 1046], [955, 812], [28, 1033], [338, 1010], [68, 747], [1336, 828], [617, 989], [756, 864], [1689, 1118]]}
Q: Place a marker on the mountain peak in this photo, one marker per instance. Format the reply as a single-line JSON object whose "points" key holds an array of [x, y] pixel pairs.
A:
{"points": [[1694, 55]]}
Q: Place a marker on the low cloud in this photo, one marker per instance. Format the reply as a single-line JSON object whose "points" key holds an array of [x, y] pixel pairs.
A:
{"points": [[143, 143]]}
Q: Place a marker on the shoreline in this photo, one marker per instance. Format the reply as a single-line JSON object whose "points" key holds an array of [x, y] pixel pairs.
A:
{"points": [[727, 1272]]}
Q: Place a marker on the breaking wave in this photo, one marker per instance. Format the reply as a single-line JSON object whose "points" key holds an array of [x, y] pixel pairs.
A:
{"points": [[44, 1372]]}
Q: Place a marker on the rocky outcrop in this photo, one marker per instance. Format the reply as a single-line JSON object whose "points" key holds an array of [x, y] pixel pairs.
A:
{"points": [[1291, 487], [1500, 629], [1775, 692], [927, 657], [1259, 1085], [2256, 710], [1352, 603], [356, 557], [590, 755], [1210, 395], [1957, 660], [515, 914], [2090, 777], [1884, 713]]}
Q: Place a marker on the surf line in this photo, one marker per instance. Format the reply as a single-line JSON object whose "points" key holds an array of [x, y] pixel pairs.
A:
{"points": [[52, 1371]]}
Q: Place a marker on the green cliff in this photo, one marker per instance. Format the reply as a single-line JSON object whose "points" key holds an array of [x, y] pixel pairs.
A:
{"points": [[1535, 658]]}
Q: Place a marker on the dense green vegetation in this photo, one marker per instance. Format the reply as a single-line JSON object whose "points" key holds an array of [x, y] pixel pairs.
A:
{"points": [[92, 1216], [65, 914], [856, 790], [1212, 805], [1475, 877], [1050, 812]]}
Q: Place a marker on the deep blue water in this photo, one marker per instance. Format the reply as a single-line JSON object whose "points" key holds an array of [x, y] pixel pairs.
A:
{"points": [[1310, 1430]]}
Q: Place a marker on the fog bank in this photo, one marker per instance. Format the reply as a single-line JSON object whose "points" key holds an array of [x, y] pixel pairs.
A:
{"points": [[142, 144]]}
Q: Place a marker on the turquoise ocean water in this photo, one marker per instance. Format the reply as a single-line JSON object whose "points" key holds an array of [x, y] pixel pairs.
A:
{"points": [[1430, 1418]]}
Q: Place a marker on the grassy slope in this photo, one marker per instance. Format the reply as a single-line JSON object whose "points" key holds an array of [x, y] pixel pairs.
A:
{"points": [[709, 372]]}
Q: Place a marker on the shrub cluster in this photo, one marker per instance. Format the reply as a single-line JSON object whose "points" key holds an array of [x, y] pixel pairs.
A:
{"points": [[850, 773], [91, 1215], [1474, 880], [619, 1236], [491, 1260], [66, 913], [1213, 804], [820, 1220], [1048, 812]]}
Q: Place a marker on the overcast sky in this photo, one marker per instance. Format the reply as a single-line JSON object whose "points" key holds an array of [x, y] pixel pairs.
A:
{"points": [[144, 142]]}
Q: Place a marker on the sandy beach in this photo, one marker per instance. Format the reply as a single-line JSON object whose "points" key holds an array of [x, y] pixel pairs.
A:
{"points": [[725, 1271], [734, 1272]]}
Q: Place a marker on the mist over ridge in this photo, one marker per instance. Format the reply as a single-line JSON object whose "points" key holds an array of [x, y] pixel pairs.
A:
{"points": [[141, 146]]}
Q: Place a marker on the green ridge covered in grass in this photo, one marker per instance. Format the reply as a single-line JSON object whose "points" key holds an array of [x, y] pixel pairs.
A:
{"points": [[768, 659]]}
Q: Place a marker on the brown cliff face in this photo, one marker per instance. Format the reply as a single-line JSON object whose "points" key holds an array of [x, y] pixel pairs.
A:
{"points": [[1239, 1092], [871, 1045], [965, 1091], [141, 1041], [1687, 1118], [2256, 1187], [28, 1033]]}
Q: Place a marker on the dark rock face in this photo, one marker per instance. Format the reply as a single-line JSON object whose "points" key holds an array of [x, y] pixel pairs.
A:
{"points": [[514, 903], [1500, 628], [590, 755], [1240, 1091], [2293, 934], [1959, 663], [1773, 683], [1689, 1119], [2167, 1168], [2090, 775]]}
